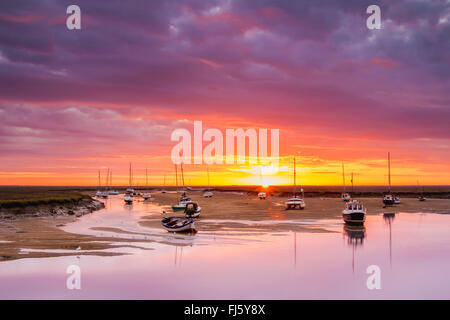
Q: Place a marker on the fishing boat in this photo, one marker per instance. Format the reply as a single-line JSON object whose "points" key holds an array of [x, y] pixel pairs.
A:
{"points": [[354, 213], [177, 224], [128, 198], [296, 201], [345, 196], [388, 198], [192, 210], [208, 193]]}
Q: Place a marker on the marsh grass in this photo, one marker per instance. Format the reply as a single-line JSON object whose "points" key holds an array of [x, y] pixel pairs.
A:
{"points": [[13, 197]]}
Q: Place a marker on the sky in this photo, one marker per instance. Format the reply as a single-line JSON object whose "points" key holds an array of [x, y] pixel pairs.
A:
{"points": [[73, 102]]}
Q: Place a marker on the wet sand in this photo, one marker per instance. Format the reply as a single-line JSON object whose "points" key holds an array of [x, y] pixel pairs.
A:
{"points": [[225, 212], [241, 211]]}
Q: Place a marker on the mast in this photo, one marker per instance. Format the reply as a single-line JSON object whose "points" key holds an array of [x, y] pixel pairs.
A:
{"points": [[146, 178], [207, 170], [295, 178], [99, 180], [343, 176], [164, 180], [352, 182], [176, 176], [389, 170], [107, 179], [182, 174], [110, 178], [129, 175]]}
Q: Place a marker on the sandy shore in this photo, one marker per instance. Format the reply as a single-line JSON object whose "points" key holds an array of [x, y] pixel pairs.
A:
{"points": [[245, 212], [225, 212]]}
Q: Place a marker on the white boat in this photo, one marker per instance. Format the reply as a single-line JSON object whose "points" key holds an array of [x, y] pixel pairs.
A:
{"points": [[177, 224], [389, 199], [105, 194], [354, 213], [192, 210], [128, 198], [295, 202], [113, 192], [163, 191], [98, 193], [262, 196], [208, 194], [146, 196]]}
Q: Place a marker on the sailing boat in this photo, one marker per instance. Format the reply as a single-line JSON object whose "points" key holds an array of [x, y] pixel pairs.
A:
{"points": [[128, 198], [388, 198], [262, 195], [422, 195], [112, 191], [344, 196], [99, 192], [208, 193], [184, 198], [105, 192], [296, 202], [146, 195]]}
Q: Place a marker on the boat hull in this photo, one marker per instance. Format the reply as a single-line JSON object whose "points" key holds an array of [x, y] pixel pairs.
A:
{"points": [[175, 224], [354, 218]]}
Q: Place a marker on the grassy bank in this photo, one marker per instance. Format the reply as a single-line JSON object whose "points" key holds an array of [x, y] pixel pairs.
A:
{"points": [[14, 197]]}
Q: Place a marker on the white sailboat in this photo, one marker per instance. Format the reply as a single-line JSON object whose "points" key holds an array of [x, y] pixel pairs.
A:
{"points": [[344, 196], [261, 195], [99, 192], [146, 195], [105, 192], [128, 198], [164, 186], [208, 193], [388, 198], [295, 202], [112, 192]]}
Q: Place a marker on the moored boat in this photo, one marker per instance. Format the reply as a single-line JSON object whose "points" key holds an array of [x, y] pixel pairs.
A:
{"points": [[192, 210], [177, 224], [128, 198], [354, 213], [295, 202], [262, 196], [146, 196]]}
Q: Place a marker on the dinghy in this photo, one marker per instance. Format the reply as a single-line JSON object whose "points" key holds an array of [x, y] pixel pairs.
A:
{"points": [[177, 224], [192, 210], [146, 196]]}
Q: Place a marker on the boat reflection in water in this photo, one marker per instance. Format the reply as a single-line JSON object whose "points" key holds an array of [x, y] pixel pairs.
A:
{"points": [[389, 219], [355, 237]]}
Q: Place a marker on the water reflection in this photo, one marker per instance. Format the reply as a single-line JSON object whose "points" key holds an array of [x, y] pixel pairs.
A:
{"points": [[355, 237], [389, 219]]}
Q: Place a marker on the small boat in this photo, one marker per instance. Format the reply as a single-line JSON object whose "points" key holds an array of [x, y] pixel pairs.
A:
{"points": [[397, 200], [146, 196], [129, 191], [388, 199], [98, 193], [128, 198], [163, 191], [207, 194], [262, 196], [295, 202], [422, 198], [177, 224], [192, 210], [354, 213], [181, 204], [105, 194], [346, 197], [113, 192]]}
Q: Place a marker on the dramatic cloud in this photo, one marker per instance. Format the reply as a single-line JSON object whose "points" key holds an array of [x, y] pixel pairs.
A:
{"points": [[137, 68]]}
